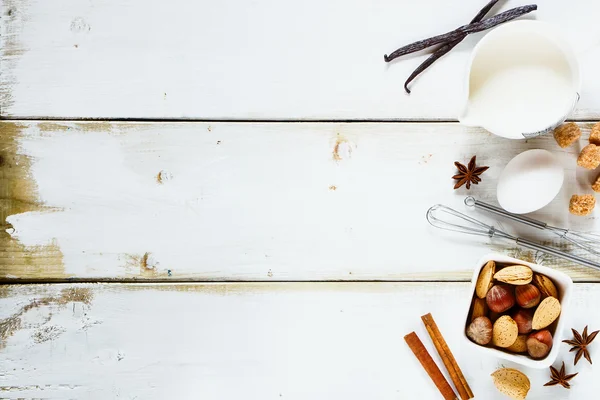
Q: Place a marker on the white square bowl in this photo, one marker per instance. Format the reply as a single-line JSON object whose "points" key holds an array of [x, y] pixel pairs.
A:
{"points": [[563, 283]]}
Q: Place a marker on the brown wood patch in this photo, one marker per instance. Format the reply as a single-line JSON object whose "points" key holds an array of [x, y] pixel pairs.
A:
{"points": [[18, 194]]}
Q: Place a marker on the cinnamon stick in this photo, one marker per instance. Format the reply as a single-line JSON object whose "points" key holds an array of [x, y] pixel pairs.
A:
{"points": [[430, 366], [448, 359]]}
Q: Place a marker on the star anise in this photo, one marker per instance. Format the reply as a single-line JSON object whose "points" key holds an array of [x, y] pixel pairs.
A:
{"points": [[468, 174], [580, 344], [560, 377]]}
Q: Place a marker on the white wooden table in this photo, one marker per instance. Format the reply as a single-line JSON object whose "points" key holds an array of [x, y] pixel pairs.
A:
{"points": [[226, 200]]}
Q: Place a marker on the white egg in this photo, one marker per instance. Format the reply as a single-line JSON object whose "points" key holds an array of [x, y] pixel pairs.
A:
{"points": [[530, 181]]}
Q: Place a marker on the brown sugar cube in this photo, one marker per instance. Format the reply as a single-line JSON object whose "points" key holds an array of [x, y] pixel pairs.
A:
{"points": [[596, 185], [582, 205], [595, 135], [567, 134], [589, 157]]}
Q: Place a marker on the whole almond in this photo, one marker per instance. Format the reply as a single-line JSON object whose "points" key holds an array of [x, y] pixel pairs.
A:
{"points": [[519, 346], [546, 313], [515, 275], [512, 383], [479, 308], [545, 285], [484, 281], [505, 332]]}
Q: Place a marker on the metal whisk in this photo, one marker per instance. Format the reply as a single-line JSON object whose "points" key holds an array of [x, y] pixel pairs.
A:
{"points": [[587, 241], [449, 219]]}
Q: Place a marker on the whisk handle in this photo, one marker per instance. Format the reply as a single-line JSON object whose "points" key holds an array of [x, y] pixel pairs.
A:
{"points": [[472, 202], [549, 250]]}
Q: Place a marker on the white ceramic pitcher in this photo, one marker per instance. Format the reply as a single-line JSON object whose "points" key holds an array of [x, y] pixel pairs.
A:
{"points": [[523, 81]]}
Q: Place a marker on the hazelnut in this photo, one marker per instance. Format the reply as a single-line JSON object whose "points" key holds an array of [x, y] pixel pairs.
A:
{"points": [[500, 298], [528, 296], [539, 344], [480, 330], [524, 320]]}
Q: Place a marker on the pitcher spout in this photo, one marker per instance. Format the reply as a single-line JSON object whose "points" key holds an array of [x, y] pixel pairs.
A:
{"points": [[468, 119]]}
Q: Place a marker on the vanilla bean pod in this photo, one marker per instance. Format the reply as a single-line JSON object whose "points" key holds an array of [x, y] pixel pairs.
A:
{"points": [[463, 30], [443, 50]]}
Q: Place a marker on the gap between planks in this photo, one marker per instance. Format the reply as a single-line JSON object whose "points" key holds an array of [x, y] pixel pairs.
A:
{"points": [[230, 120], [13, 282], [242, 121], [193, 281]]}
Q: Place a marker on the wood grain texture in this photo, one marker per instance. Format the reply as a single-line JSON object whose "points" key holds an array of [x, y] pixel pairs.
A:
{"points": [[259, 201], [263, 59], [251, 341], [18, 194]]}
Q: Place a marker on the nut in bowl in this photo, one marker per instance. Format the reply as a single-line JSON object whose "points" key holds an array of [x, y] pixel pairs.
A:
{"points": [[523, 317]]}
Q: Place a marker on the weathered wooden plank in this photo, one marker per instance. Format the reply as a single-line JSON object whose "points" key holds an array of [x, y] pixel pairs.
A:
{"points": [[18, 194], [251, 341], [263, 59], [253, 201]]}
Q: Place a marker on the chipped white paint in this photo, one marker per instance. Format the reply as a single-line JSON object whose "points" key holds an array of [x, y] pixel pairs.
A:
{"points": [[255, 341], [263, 59], [266, 201]]}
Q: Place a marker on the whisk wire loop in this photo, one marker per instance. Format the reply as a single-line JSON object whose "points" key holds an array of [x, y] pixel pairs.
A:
{"points": [[448, 219], [439, 217], [587, 241]]}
